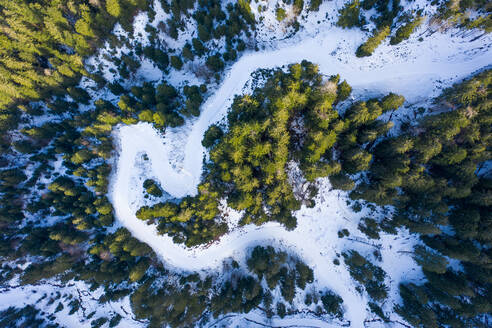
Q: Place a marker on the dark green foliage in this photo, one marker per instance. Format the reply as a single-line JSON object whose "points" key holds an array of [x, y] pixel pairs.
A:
{"points": [[176, 62], [430, 261], [199, 213], [344, 90], [405, 30], [213, 134], [376, 309], [370, 227], [120, 257], [267, 263], [114, 321], [341, 181], [161, 105], [198, 47], [116, 88], [332, 303], [314, 4], [304, 275], [160, 58], [43, 44], [350, 16], [368, 274], [414, 309], [187, 52], [455, 13], [430, 174], [27, 316], [46, 270], [368, 47], [147, 302], [281, 310], [203, 33], [59, 307], [215, 63], [98, 322], [242, 297], [79, 95], [248, 163], [152, 188], [343, 233], [196, 299], [193, 100], [392, 102]]}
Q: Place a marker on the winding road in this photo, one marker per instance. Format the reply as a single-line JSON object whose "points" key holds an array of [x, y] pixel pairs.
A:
{"points": [[415, 69]]}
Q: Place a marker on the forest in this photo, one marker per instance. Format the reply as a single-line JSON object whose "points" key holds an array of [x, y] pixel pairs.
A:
{"points": [[293, 118], [241, 292], [44, 44], [391, 19], [441, 157], [57, 148], [436, 175]]}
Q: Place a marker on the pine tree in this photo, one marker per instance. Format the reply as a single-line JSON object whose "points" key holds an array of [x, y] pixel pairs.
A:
{"points": [[429, 260], [406, 30], [113, 7], [368, 47]]}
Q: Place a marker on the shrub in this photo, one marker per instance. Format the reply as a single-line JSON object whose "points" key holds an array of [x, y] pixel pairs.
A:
{"points": [[215, 63], [341, 181], [367, 48], [187, 53], [344, 91], [212, 135], [332, 303], [404, 32], [350, 15], [198, 47], [176, 62], [113, 7], [152, 188], [280, 14], [314, 5], [281, 311], [369, 227]]}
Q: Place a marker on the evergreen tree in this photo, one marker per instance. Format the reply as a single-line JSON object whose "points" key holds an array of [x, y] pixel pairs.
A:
{"points": [[368, 47]]}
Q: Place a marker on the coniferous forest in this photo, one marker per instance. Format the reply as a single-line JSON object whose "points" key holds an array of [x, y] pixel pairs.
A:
{"points": [[296, 140]]}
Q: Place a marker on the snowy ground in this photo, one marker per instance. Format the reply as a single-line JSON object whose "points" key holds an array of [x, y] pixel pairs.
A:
{"points": [[48, 295], [416, 69]]}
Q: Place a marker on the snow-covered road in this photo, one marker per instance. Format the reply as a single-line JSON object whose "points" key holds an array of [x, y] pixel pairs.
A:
{"points": [[415, 69]]}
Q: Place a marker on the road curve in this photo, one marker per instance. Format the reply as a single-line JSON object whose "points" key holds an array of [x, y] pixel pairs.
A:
{"points": [[413, 70]]}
